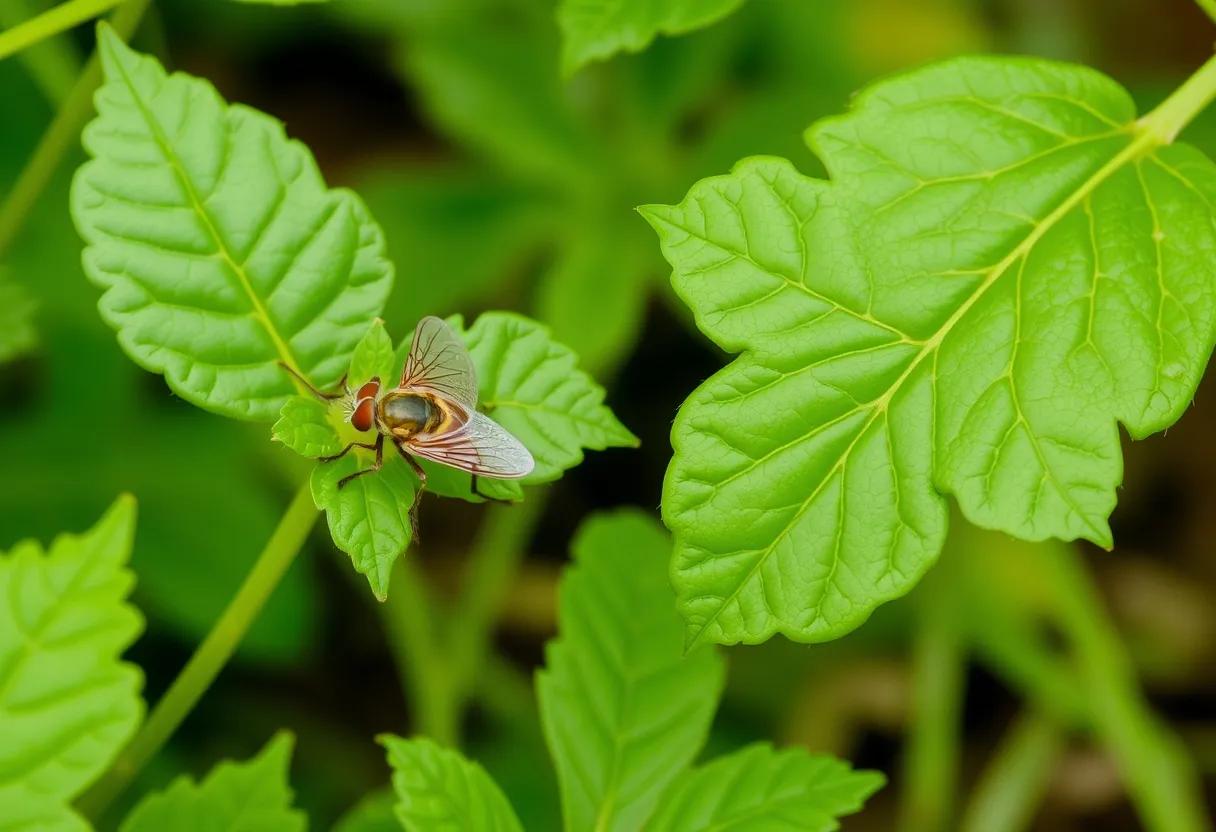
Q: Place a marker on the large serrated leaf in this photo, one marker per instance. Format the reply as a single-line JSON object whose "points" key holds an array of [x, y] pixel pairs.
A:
{"points": [[595, 29], [220, 249], [438, 790], [760, 789], [67, 703], [1003, 266], [242, 797], [624, 710]]}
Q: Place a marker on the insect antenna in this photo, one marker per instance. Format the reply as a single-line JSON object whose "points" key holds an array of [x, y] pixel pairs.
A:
{"points": [[308, 384]]}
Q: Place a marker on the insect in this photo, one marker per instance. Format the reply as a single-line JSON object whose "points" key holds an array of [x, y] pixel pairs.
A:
{"points": [[431, 414]]}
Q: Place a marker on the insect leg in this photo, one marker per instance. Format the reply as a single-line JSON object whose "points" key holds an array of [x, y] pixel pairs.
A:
{"points": [[370, 446], [473, 488], [421, 487], [376, 466], [296, 374]]}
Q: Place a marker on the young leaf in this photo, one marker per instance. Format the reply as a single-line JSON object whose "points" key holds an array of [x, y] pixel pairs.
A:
{"points": [[304, 427], [67, 703], [438, 790], [758, 788], [374, 357], [369, 517], [253, 796], [624, 710], [594, 29], [17, 335], [531, 385], [374, 813], [1003, 264], [220, 249]]}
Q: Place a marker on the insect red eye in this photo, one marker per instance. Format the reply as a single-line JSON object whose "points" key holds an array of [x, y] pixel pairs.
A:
{"points": [[363, 414], [369, 390]]}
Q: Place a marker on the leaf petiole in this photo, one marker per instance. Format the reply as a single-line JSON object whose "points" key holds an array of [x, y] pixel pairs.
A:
{"points": [[50, 23], [1168, 119], [210, 657]]}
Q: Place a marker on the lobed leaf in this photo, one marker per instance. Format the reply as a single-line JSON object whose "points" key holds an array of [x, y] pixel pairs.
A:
{"points": [[1003, 266], [596, 29], [250, 797], [305, 428], [67, 703], [438, 790], [623, 708], [758, 788], [219, 247]]}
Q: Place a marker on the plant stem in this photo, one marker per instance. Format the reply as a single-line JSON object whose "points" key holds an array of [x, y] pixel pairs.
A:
{"points": [[1174, 113], [54, 65], [1012, 786], [931, 761], [410, 621], [1160, 777], [50, 23], [211, 655], [61, 134], [500, 546], [1209, 8]]}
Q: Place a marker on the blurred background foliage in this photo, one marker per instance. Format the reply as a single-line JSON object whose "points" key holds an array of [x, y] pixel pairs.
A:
{"points": [[501, 183]]}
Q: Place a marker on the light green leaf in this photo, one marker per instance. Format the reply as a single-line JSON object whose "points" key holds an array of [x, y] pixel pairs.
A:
{"points": [[438, 790], [220, 249], [597, 29], [304, 427], [532, 386], [67, 703], [374, 357], [624, 710], [374, 813], [237, 797], [369, 517], [758, 789], [17, 335], [1003, 266]]}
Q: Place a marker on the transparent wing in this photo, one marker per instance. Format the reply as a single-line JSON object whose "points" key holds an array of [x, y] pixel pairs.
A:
{"points": [[481, 446], [438, 360]]}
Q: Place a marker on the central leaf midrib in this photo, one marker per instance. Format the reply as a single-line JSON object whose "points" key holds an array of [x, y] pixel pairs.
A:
{"points": [[1143, 142], [259, 310]]}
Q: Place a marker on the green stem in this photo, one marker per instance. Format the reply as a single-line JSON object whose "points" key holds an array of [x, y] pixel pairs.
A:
{"points": [[50, 23], [211, 655], [1176, 112], [497, 552], [54, 65], [1209, 8], [931, 759], [63, 132], [410, 621], [1160, 777], [1013, 784]]}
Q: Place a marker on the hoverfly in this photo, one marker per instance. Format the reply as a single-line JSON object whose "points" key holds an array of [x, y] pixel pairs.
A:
{"points": [[432, 414]]}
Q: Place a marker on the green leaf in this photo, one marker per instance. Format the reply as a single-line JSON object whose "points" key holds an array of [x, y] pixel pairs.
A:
{"points": [[67, 703], [438, 790], [240, 797], [595, 29], [759, 789], [532, 386], [1003, 266], [304, 426], [17, 335], [218, 245], [369, 518], [374, 357], [374, 813], [623, 708]]}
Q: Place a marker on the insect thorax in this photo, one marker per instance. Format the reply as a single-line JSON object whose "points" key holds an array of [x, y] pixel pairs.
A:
{"points": [[406, 414]]}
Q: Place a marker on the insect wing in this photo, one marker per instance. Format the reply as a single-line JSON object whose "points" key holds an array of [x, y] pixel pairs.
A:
{"points": [[481, 446], [439, 360]]}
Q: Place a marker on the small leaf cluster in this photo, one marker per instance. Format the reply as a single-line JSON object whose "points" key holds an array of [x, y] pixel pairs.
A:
{"points": [[625, 712]]}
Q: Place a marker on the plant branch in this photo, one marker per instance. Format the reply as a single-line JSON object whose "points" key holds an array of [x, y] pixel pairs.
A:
{"points": [[50, 23], [1012, 785], [211, 655], [62, 133], [1160, 777], [931, 761], [53, 65]]}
